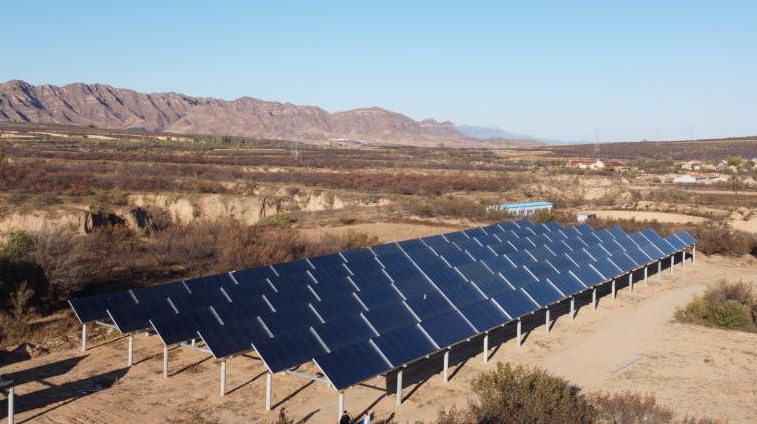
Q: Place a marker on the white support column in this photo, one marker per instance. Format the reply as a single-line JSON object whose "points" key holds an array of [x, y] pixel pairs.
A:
{"points": [[194, 343], [11, 411], [340, 406], [518, 337], [165, 361], [130, 351], [486, 347], [630, 281], [399, 387], [445, 374], [646, 274], [84, 337], [594, 299], [613, 289], [268, 377], [546, 321], [659, 269], [223, 378], [683, 258], [672, 262], [693, 254], [572, 308]]}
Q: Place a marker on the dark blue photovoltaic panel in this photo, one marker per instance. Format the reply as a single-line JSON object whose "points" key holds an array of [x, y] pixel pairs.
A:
{"points": [[581, 257], [337, 306], [675, 241], [289, 319], [638, 238], [575, 243], [95, 307], [584, 229], [566, 283], [502, 248], [597, 252], [540, 269], [552, 225], [448, 328], [608, 269], [474, 271], [403, 271], [131, 318], [443, 249], [288, 349], [570, 232], [665, 246], [651, 235], [468, 244], [626, 242], [385, 249], [540, 229], [195, 301], [639, 257], [481, 253], [294, 266], [378, 295], [232, 338], [604, 235], [613, 247], [518, 277], [292, 296], [404, 344], [589, 239], [396, 260], [652, 251], [370, 278], [484, 315], [616, 231], [247, 295], [175, 328], [520, 258], [456, 236], [428, 260], [475, 232], [333, 287], [434, 240], [561, 263], [253, 274], [411, 244], [508, 226], [623, 262], [457, 258], [459, 293], [343, 331], [541, 253], [588, 276], [413, 287], [493, 285], [498, 264], [389, 317], [445, 275], [488, 240], [331, 273], [202, 283], [521, 244], [326, 261], [292, 280], [351, 365], [358, 255], [542, 292], [515, 303], [540, 240], [559, 247], [493, 228], [428, 305]]}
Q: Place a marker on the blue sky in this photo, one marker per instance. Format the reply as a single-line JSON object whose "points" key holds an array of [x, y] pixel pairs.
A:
{"points": [[556, 69]]}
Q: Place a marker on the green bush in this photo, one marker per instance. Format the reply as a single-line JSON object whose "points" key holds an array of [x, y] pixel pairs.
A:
{"points": [[731, 306]]}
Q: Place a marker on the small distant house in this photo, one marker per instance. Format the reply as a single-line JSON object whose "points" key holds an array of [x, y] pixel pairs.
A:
{"points": [[523, 208], [592, 164], [583, 217], [694, 177]]}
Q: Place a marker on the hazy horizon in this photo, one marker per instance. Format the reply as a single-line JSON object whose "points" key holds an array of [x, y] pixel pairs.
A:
{"points": [[575, 71]]}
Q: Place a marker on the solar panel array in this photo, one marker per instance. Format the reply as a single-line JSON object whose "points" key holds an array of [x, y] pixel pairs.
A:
{"points": [[363, 312]]}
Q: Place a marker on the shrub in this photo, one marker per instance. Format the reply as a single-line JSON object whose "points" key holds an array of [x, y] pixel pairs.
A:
{"points": [[728, 306], [629, 407], [17, 246], [519, 394]]}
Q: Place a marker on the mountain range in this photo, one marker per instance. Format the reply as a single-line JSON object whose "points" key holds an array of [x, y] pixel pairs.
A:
{"points": [[105, 106]]}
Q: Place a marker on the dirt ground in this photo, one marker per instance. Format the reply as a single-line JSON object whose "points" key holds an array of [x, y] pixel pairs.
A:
{"points": [[674, 218], [695, 370]]}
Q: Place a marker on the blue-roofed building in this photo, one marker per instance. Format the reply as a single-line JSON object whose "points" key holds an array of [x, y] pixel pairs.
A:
{"points": [[523, 208]]}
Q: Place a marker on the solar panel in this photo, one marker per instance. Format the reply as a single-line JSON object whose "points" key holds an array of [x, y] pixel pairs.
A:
{"points": [[389, 317], [639, 257], [604, 235], [540, 239], [616, 231], [541, 253], [343, 331], [552, 225], [607, 269], [484, 315], [434, 240], [458, 258], [459, 293], [370, 278], [333, 287], [329, 273], [95, 307], [291, 280], [561, 263], [566, 283], [289, 319], [518, 277], [352, 364], [404, 344], [588, 276], [652, 251], [475, 232], [502, 248], [575, 243], [676, 242], [520, 258], [456, 236], [623, 262], [448, 328], [481, 253], [292, 296], [404, 271], [521, 244], [175, 328], [597, 252], [488, 240], [358, 255], [375, 296], [581, 257], [232, 338], [540, 270], [253, 274], [386, 249], [288, 349], [413, 287], [498, 264], [337, 306], [411, 244], [493, 285], [542, 292], [584, 228], [301, 265], [428, 305], [130, 318], [326, 261], [468, 244], [559, 247], [515, 303], [476, 270]]}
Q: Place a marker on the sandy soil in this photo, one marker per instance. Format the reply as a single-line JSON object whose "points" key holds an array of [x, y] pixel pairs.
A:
{"points": [[384, 231], [748, 226], [695, 370], [674, 218]]}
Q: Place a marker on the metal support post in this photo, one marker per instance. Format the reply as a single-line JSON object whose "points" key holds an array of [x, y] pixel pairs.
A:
{"points": [[659, 269], [594, 299], [165, 361], [445, 374], [268, 377], [672, 261], [399, 387], [11, 408], [223, 378], [646, 269], [519, 338], [546, 321], [613, 289], [84, 337], [340, 406], [630, 281], [693, 254], [130, 351], [683, 258], [572, 308]]}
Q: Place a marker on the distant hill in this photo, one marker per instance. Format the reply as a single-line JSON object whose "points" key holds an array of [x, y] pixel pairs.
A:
{"points": [[495, 132], [108, 107]]}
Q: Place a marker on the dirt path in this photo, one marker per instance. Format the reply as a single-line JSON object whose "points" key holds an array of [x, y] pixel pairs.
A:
{"points": [[695, 370], [674, 218]]}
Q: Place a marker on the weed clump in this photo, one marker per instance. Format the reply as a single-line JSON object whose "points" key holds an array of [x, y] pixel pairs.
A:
{"points": [[731, 306]]}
